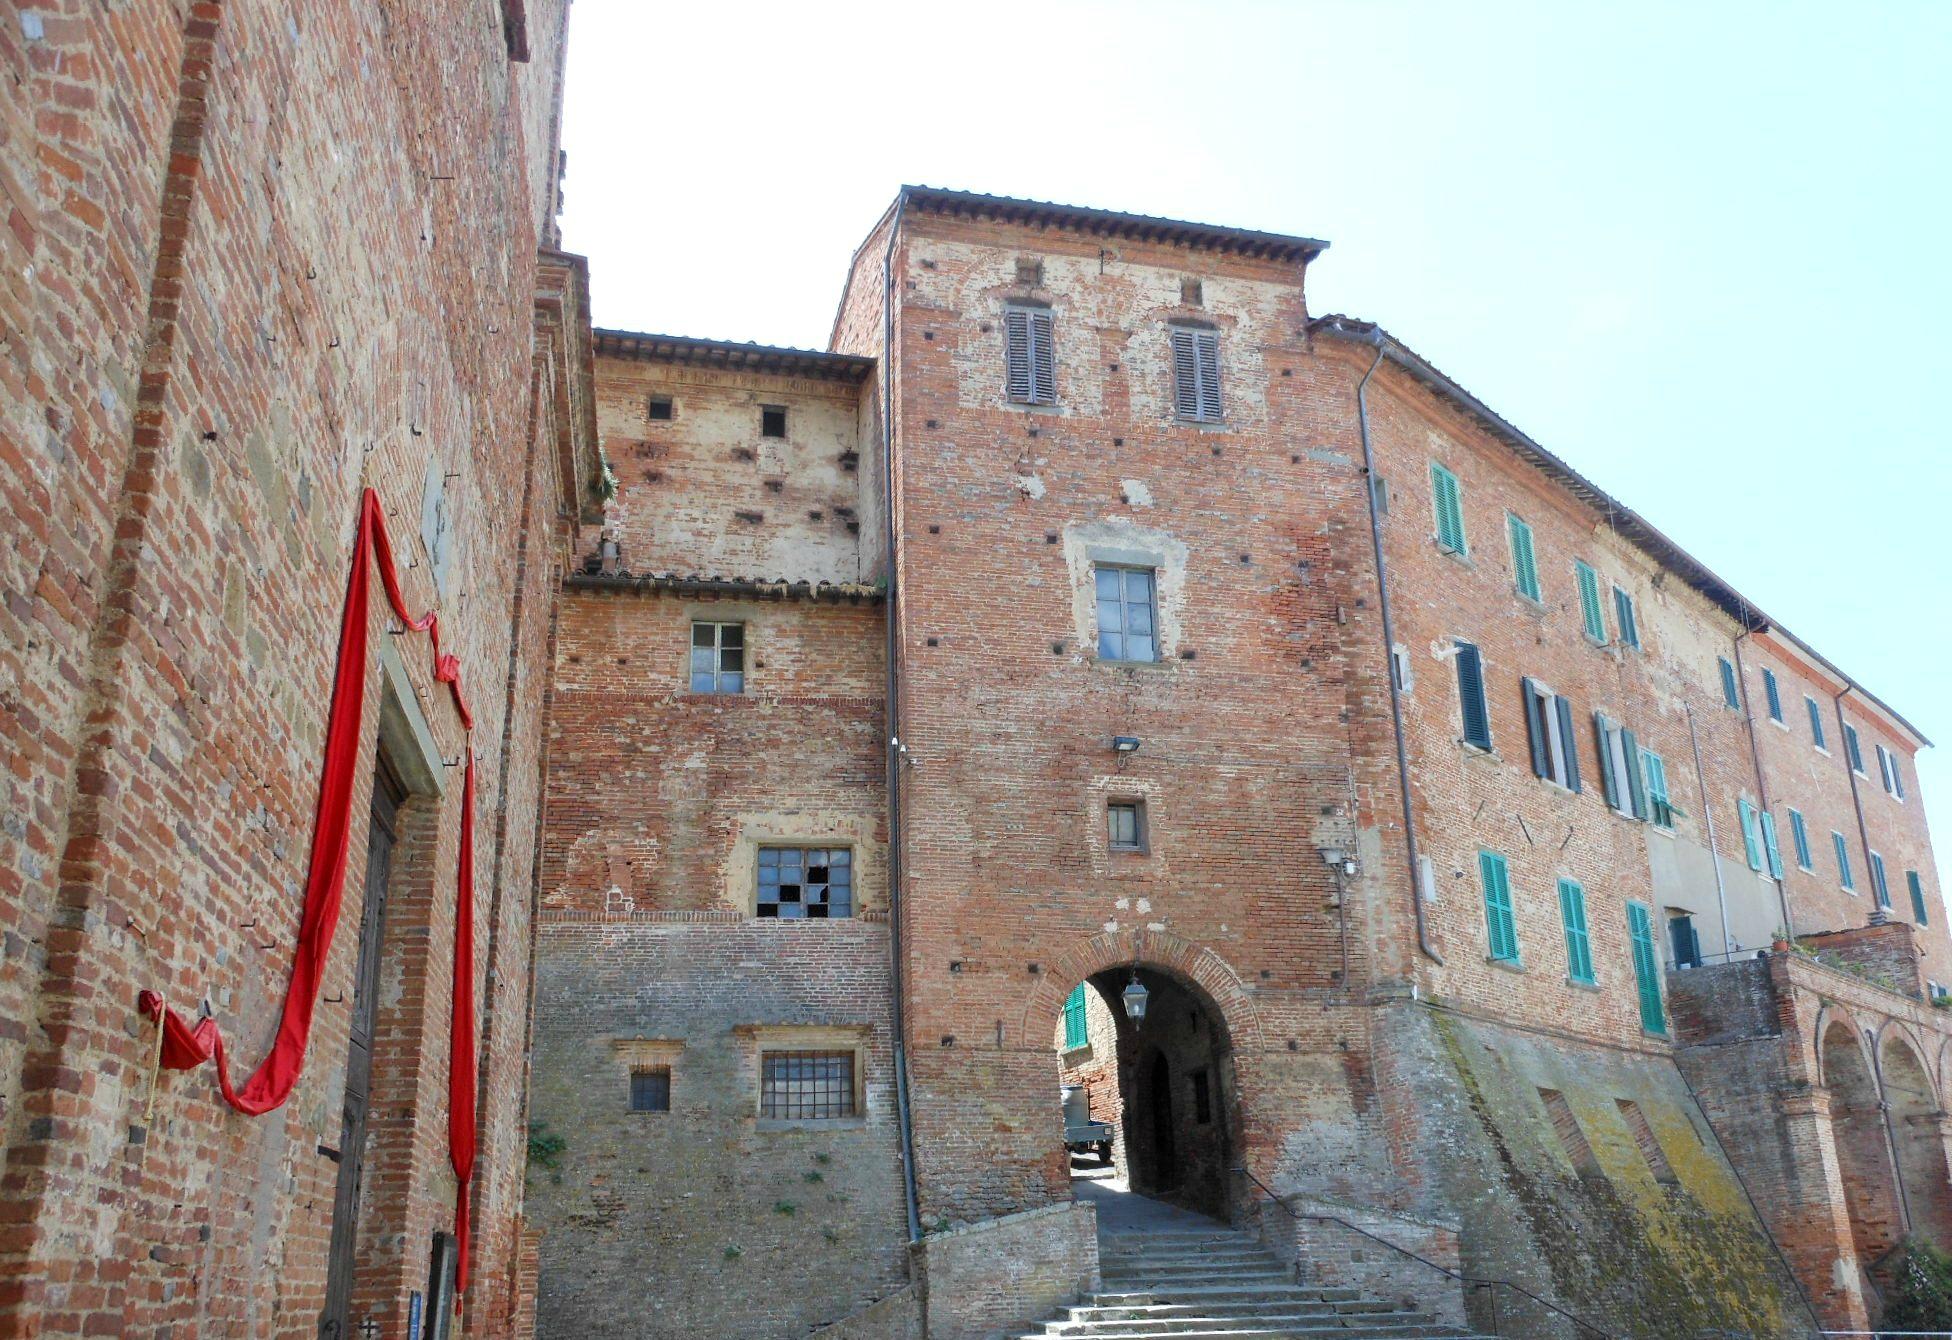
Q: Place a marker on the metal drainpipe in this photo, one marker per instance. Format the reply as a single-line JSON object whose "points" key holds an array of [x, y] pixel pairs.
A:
{"points": [[891, 654], [1755, 757], [1856, 799], [1389, 653], [1708, 820]]}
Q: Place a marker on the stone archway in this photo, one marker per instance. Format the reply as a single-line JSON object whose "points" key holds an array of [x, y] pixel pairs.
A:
{"points": [[1917, 1135], [1859, 1138]]}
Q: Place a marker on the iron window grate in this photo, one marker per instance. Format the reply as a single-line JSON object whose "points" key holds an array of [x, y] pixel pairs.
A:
{"points": [[798, 883], [650, 1089], [806, 1085]]}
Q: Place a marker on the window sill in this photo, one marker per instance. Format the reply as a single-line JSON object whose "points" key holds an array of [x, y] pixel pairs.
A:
{"points": [[812, 1124], [1035, 406], [1597, 643], [1577, 985], [1821, 750], [1506, 964], [1480, 751], [1153, 667], [1533, 603], [1780, 725], [1659, 1033], [1204, 425], [1461, 557], [1081, 1050], [1664, 832]]}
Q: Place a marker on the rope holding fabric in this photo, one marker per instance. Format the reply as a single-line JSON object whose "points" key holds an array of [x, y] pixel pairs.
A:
{"points": [[183, 1047]]}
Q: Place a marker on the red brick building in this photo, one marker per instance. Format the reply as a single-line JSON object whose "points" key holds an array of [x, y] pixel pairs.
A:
{"points": [[1093, 614], [259, 260]]}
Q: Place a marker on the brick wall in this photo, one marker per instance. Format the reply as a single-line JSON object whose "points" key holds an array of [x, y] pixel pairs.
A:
{"points": [[1007, 1273], [275, 257]]}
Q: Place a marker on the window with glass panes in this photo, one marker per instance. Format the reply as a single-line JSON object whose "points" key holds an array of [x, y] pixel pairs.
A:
{"points": [[718, 657], [1126, 614], [799, 883], [806, 1085], [1125, 825], [1075, 1034]]}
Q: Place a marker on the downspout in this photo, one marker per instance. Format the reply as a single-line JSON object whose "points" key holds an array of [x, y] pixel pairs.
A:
{"points": [[1857, 800], [891, 655], [1708, 819], [1389, 654], [1755, 757]]}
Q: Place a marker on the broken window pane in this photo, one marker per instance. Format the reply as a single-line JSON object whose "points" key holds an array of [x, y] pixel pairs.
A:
{"points": [[802, 882]]}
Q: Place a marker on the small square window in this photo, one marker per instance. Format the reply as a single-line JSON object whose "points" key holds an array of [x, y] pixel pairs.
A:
{"points": [[1125, 825], [718, 657], [806, 1086], [805, 883], [1192, 293], [772, 421], [650, 1088], [660, 407], [1030, 272]]}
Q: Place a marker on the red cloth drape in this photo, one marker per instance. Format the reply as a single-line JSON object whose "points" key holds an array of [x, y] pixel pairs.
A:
{"points": [[185, 1047]]}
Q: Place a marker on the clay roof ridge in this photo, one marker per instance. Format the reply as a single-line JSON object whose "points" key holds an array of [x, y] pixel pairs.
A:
{"points": [[1147, 227]]}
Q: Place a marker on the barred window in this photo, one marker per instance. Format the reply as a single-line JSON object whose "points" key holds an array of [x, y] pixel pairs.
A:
{"points": [[806, 1086], [650, 1088], [803, 882], [718, 658]]}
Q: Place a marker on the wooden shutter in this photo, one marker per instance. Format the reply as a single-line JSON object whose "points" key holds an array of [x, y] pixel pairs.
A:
{"points": [[1589, 601], [1917, 890], [1470, 696], [1880, 890], [1800, 835], [1206, 347], [1770, 849], [1448, 499], [1567, 753], [1609, 781], [1773, 692], [1016, 350], [1852, 748], [1535, 733], [1646, 968], [1844, 876], [1186, 375], [1636, 785], [1730, 694], [1623, 609], [1572, 913], [1524, 565], [1751, 843], [1499, 923], [1043, 360]]}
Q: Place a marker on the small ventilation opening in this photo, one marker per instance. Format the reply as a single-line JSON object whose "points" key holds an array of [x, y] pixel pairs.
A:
{"points": [[1030, 272], [1650, 1145], [772, 421], [1572, 1140], [660, 407]]}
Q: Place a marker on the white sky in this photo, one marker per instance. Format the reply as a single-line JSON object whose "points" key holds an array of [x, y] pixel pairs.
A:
{"points": [[1696, 250]]}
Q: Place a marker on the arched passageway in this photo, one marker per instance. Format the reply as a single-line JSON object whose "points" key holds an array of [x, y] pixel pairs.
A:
{"points": [[1862, 1148], [1915, 1131], [1164, 1085]]}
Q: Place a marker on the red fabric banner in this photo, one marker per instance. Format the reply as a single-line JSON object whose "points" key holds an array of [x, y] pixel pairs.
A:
{"points": [[185, 1047]]}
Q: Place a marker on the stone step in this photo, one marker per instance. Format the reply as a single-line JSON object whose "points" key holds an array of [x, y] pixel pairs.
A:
{"points": [[1168, 1326], [1228, 1331], [1187, 1256], [1296, 1305], [1203, 1293], [1263, 1273]]}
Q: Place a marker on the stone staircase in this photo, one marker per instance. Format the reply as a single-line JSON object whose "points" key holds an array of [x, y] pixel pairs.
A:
{"points": [[1217, 1285]]}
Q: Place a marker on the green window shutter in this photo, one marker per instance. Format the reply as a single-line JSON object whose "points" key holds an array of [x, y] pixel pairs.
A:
{"points": [[1524, 563], [1579, 945], [1501, 927], [1623, 611], [1730, 693], [1646, 968], [1074, 1025], [1774, 693], [1769, 847], [1660, 810], [1449, 500], [1917, 897], [1800, 834], [1609, 784], [1851, 748], [1751, 846], [1844, 876], [1816, 722], [1636, 780], [1879, 889], [1590, 608], [1470, 696]]}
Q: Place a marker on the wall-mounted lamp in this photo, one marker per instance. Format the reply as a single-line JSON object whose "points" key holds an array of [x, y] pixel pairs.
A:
{"points": [[1337, 857], [1125, 744]]}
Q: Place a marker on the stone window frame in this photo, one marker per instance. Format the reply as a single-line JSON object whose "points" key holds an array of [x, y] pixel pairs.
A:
{"points": [[760, 1039], [1090, 545], [1107, 861], [739, 875], [635, 1054], [803, 849]]}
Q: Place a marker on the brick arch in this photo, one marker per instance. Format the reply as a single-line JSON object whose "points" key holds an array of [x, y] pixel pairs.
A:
{"points": [[1858, 1135], [1193, 965], [1828, 1016], [1911, 1097]]}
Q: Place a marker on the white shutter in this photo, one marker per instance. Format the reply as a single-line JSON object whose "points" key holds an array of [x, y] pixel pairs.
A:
{"points": [[1016, 351], [1043, 362], [1207, 343]]}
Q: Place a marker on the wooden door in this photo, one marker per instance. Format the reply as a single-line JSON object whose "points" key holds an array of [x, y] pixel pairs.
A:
{"points": [[335, 1322]]}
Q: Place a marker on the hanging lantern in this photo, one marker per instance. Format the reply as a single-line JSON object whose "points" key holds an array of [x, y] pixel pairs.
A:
{"points": [[1135, 998]]}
